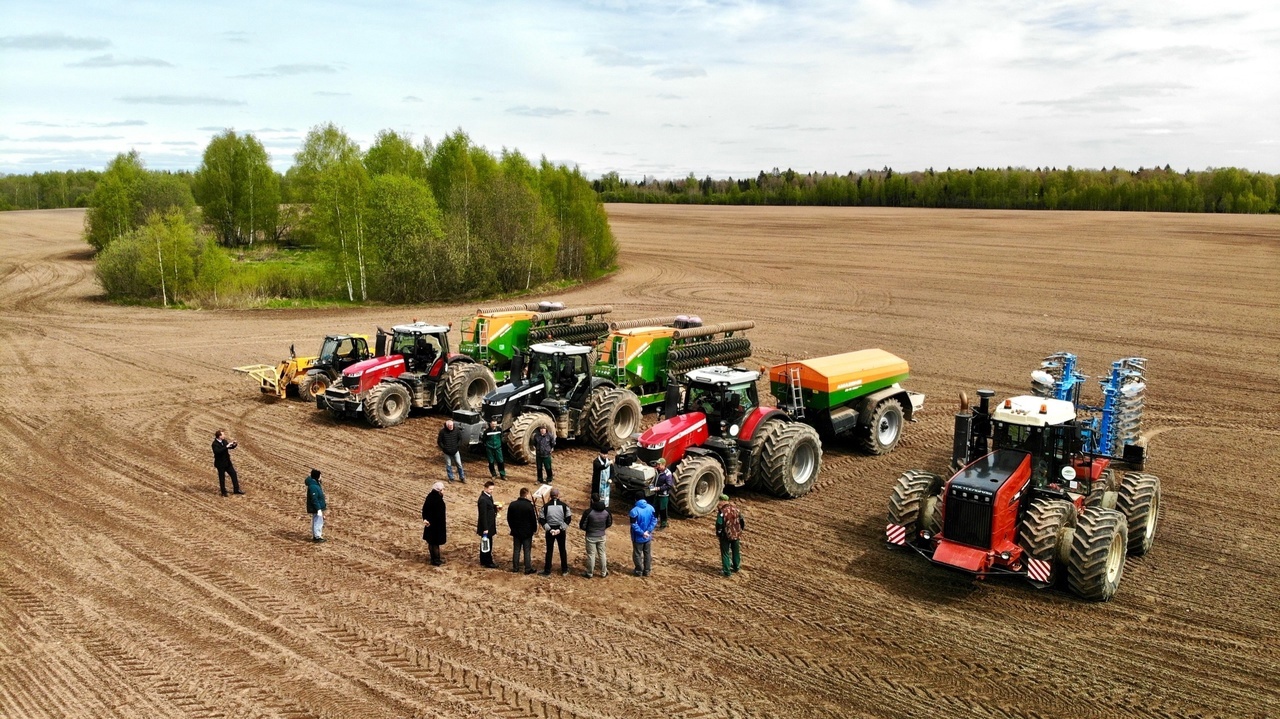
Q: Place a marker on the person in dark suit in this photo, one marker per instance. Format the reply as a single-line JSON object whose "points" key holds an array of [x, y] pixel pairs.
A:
{"points": [[487, 524], [433, 519], [222, 447], [522, 518]]}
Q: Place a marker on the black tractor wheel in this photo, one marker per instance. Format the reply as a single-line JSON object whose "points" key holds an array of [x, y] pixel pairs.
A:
{"points": [[312, 385], [791, 460], [914, 505], [1096, 562], [1139, 502], [1046, 534], [1102, 493], [613, 415], [885, 428], [387, 404], [466, 384], [520, 439], [699, 482], [763, 435]]}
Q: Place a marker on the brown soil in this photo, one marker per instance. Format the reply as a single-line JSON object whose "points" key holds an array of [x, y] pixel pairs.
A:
{"points": [[128, 587]]}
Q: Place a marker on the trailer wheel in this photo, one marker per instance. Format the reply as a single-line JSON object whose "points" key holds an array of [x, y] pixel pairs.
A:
{"points": [[613, 415], [913, 504], [466, 384], [387, 404], [699, 482], [791, 460], [1139, 501], [1096, 562], [523, 430], [1046, 534], [885, 428], [312, 385]]}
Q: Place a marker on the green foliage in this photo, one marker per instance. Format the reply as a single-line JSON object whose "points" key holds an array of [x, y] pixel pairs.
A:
{"points": [[1147, 190], [332, 177], [394, 154], [127, 195], [161, 260], [47, 190], [405, 235], [238, 190]]}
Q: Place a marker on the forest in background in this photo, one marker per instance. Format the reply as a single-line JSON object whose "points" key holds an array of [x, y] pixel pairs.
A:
{"points": [[399, 222]]}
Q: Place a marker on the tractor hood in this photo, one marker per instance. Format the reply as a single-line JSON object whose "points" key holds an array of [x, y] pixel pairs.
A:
{"points": [[671, 437], [512, 395], [372, 363]]}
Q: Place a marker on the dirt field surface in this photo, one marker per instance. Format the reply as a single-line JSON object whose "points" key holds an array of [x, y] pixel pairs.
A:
{"points": [[129, 587]]}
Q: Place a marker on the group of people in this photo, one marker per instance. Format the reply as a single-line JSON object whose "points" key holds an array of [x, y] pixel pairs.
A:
{"points": [[542, 509]]}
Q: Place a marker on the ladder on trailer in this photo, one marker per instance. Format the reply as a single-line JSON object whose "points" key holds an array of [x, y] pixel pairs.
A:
{"points": [[797, 396]]}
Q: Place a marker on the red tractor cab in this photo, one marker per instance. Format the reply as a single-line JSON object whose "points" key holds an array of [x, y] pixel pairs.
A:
{"points": [[716, 434], [413, 369]]}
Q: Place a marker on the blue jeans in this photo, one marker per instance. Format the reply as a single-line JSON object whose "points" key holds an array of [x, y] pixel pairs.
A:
{"points": [[451, 461]]}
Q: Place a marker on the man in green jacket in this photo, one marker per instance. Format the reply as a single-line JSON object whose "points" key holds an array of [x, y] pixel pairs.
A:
{"points": [[493, 450], [316, 505]]}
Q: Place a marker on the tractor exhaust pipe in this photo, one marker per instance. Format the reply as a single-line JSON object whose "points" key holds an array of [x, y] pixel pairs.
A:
{"points": [[963, 435], [981, 430], [526, 307], [647, 322], [712, 329], [572, 312]]}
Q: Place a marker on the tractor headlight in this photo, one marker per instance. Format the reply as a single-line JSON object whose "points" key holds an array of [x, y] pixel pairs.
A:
{"points": [[927, 535], [1005, 556], [733, 431]]}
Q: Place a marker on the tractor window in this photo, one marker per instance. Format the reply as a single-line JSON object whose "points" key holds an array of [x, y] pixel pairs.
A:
{"points": [[328, 349], [346, 348], [402, 343], [701, 399], [1017, 436]]}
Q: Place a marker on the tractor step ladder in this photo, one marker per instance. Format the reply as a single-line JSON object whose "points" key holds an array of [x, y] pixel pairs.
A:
{"points": [[797, 396], [482, 342], [619, 364]]}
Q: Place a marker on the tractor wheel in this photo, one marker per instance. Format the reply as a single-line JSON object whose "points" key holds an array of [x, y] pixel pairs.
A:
{"points": [[699, 482], [520, 438], [914, 503], [885, 428], [313, 385], [791, 460], [1046, 533], [1102, 493], [763, 435], [613, 415], [1139, 501], [387, 404], [1096, 562], [466, 384]]}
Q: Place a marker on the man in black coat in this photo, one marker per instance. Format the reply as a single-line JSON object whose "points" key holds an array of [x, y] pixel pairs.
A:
{"points": [[522, 518], [433, 522], [487, 524], [222, 462]]}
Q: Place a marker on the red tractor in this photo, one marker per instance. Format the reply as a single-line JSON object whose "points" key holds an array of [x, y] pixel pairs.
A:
{"points": [[417, 370], [720, 435], [1036, 493]]}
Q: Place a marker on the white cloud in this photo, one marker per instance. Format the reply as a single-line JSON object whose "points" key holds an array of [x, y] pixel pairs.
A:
{"points": [[110, 60]]}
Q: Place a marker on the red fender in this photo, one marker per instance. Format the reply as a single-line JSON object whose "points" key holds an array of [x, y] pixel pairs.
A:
{"points": [[756, 418]]}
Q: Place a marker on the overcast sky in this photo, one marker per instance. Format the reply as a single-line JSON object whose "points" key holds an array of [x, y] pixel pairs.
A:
{"points": [[655, 88]]}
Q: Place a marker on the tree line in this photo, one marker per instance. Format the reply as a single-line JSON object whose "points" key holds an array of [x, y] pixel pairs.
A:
{"points": [[1144, 190], [399, 222]]}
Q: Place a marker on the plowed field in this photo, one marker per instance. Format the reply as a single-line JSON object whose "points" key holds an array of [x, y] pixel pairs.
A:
{"points": [[129, 587]]}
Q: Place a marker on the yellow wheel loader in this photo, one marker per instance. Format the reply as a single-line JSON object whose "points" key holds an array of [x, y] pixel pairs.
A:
{"points": [[306, 377]]}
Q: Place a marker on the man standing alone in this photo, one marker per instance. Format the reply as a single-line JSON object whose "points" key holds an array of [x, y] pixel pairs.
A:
{"points": [[316, 505], [450, 443], [544, 443], [556, 517], [222, 462], [493, 450], [433, 522], [487, 525], [729, 528], [595, 523], [522, 518]]}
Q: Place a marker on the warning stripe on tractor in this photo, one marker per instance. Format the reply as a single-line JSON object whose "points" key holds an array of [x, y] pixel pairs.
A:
{"points": [[896, 534], [1039, 570]]}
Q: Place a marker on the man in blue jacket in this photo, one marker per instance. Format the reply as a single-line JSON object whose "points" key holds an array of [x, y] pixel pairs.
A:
{"points": [[643, 523], [316, 505]]}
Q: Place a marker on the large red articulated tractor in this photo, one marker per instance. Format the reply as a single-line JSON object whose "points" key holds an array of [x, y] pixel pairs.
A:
{"points": [[1036, 493]]}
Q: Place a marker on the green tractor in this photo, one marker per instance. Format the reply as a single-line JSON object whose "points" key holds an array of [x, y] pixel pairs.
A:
{"points": [[493, 336]]}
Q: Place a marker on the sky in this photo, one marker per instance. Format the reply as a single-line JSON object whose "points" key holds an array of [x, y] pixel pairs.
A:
{"points": [[663, 88]]}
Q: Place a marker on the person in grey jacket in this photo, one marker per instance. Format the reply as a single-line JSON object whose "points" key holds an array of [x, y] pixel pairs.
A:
{"points": [[543, 444], [555, 519], [595, 523]]}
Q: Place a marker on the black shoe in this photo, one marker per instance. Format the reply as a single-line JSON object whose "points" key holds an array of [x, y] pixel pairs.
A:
{"points": [[463, 480], [735, 570], [436, 564], [530, 571], [237, 492], [224, 493], [318, 540], [587, 575], [638, 573], [726, 574], [646, 574], [544, 574], [564, 571]]}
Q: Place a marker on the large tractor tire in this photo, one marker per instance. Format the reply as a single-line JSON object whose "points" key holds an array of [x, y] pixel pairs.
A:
{"points": [[520, 439], [387, 405], [885, 428], [313, 385], [1096, 562], [613, 415], [1103, 492], [1046, 534], [466, 384], [791, 460], [763, 435], [699, 482], [1139, 502], [914, 503]]}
